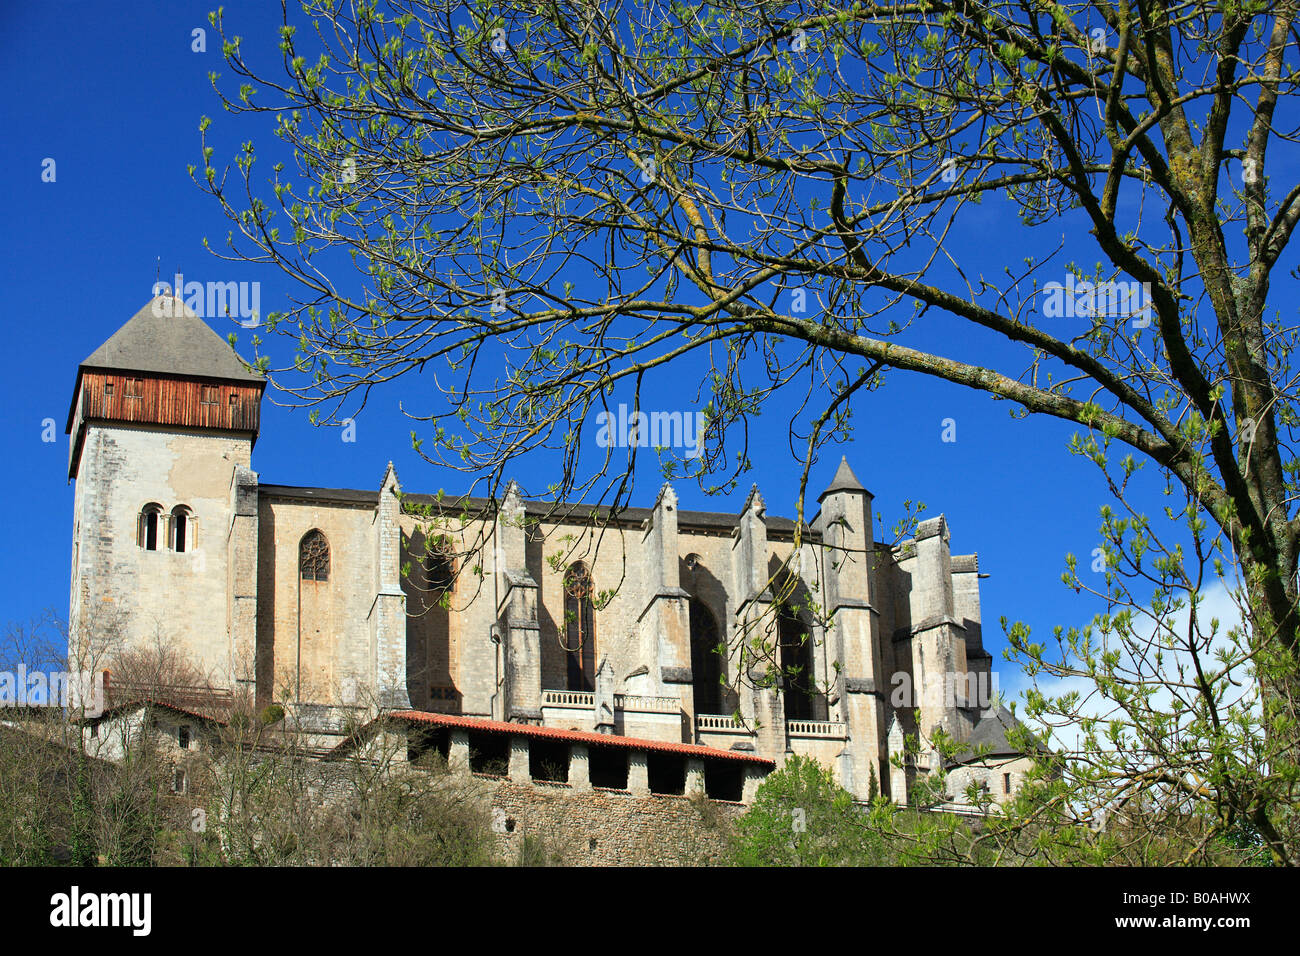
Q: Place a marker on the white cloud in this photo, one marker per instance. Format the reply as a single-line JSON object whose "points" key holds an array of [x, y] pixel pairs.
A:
{"points": [[1216, 603]]}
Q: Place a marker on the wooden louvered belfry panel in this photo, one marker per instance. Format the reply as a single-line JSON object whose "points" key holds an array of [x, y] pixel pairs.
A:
{"points": [[160, 400]]}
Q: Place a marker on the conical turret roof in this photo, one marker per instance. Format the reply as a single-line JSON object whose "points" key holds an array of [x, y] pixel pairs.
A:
{"points": [[844, 480]]}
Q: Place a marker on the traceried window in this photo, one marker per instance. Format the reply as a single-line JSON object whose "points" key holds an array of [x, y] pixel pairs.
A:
{"points": [[149, 526], [579, 639], [314, 557], [184, 530]]}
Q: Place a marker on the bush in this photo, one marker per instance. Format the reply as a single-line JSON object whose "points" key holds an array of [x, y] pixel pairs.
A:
{"points": [[802, 817]]}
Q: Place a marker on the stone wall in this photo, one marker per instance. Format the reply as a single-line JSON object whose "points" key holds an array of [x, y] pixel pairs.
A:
{"points": [[606, 828], [161, 595], [158, 727], [992, 775], [323, 625]]}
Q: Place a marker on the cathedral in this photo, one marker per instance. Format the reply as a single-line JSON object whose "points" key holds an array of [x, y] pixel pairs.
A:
{"points": [[726, 639]]}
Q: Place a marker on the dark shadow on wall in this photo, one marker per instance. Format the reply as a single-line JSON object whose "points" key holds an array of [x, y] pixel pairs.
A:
{"points": [[801, 692], [430, 575], [264, 654], [708, 613]]}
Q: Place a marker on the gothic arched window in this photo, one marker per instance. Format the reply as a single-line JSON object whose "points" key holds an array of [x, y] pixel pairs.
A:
{"points": [[314, 557], [147, 526], [580, 628], [706, 664]]}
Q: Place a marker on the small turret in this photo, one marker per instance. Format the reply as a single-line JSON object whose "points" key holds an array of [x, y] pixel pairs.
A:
{"points": [[845, 524]]}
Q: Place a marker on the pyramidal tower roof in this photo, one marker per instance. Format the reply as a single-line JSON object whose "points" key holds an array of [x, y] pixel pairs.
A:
{"points": [[844, 480], [166, 338]]}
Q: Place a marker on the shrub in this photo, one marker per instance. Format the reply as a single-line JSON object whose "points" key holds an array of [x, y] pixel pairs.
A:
{"points": [[802, 817]]}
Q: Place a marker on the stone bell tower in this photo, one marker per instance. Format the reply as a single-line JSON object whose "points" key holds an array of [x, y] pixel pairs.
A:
{"points": [[164, 541]]}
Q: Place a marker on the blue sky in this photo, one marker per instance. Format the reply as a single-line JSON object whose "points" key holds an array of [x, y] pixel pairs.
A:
{"points": [[114, 97]]}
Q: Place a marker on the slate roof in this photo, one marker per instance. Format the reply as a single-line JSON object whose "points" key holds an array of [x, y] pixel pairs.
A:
{"points": [[991, 732], [844, 480], [166, 338], [719, 520]]}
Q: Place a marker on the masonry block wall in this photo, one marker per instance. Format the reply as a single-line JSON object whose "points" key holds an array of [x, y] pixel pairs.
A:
{"points": [[318, 642], [1000, 778], [159, 595], [241, 586], [609, 829], [453, 659], [313, 637], [387, 615]]}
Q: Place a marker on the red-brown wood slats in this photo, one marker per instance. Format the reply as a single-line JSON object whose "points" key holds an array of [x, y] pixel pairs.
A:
{"points": [[170, 401]]}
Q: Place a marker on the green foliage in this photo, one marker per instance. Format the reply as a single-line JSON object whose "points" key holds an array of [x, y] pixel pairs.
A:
{"points": [[802, 817]]}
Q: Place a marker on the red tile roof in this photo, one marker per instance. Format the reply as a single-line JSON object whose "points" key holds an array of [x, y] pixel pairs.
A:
{"points": [[579, 736]]}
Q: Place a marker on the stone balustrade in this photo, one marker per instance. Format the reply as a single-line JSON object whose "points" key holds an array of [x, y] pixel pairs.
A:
{"points": [[719, 723], [568, 698], [823, 729], [637, 703], [647, 705]]}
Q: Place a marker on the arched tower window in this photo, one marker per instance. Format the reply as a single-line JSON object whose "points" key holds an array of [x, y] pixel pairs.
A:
{"points": [[184, 529], [706, 664], [580, 628], [795, 645], [148, 526], [314, 557]]}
